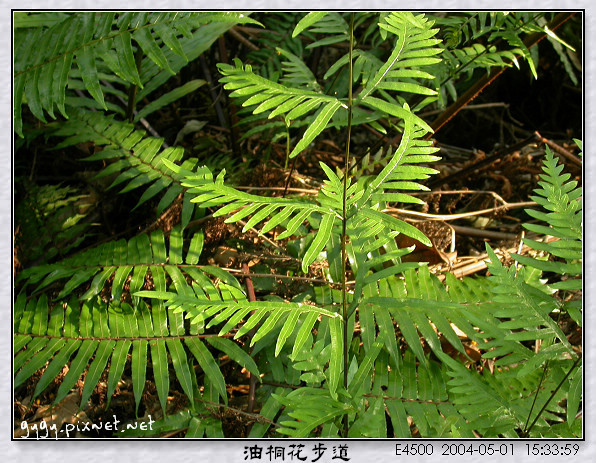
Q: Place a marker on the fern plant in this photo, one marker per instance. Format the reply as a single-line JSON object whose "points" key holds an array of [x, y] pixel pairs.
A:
{"points": [[383, 349], [105, 325], [139, 50]]}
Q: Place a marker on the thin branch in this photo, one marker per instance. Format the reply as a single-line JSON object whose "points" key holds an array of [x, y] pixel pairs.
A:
{"points": [[527, 431], [253, 416], [250, 291], [238, 36], [558, 149], [344, 234], [278, 188], [470, 231], [447, 217], [459, 192]]}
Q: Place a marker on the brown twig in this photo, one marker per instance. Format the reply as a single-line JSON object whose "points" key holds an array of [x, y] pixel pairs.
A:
{"points": [[220, 115], [446, 217], [470, 231], [238, 36], [278, 188], [483, 163], [468, 107], [559, 150], [289, 177], [459, 192], [250, 292]]}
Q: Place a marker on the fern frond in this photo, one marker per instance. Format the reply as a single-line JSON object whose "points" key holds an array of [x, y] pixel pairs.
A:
{"points": [[280, 100], [398, 299], [421, 393], [296, 73], [97, 41], [414, 48], [526, 306], [398, 174], [289, 213], [310, 407], [234, 308], [469, 26], [506, 401], [365, 65], [288, 319], [138, 160], [307, 21], [489, 410], [329, 23], [424, 308], [372, 230], [479, 56], [563, 201], [123, 263], [97, 334], [362, 204]]}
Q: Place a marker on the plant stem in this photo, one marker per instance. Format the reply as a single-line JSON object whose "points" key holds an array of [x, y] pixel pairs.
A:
{"points": [[287, 144], [526, 431], [344, 256], [250, 292], [536, 395], [132, 90]]}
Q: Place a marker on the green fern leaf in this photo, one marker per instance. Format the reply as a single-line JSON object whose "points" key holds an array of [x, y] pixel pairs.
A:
{"points": [[97, 368], [414, 48], [233, 351], [169, 98], [364, 369], [518, 299], [307, 21], [77, 366], [293, 102], [86, 61], [316, 127], [208, 365], [331, 23], [161, 376], [296, 73], [310, 408], [117, 364], [97, 41], [562, 198]]}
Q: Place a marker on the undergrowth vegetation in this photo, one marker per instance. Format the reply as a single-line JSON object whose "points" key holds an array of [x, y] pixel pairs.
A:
{"points": [[231, 281]]}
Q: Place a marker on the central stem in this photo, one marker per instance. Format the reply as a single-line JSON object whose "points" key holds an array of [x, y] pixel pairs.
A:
{"points": [[344, 236]]}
